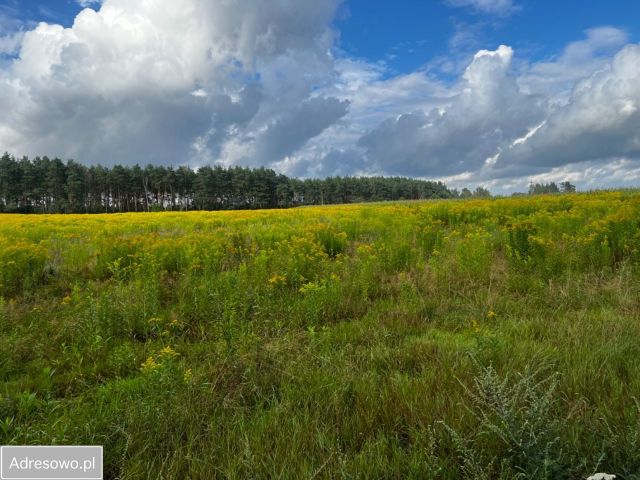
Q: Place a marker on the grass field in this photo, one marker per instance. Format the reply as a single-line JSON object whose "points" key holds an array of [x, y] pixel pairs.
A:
{"points": [[447, 339]]}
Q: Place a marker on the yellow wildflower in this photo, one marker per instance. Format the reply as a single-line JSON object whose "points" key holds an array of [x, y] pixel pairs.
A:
{"points": [[491, 314], [168, 352], [475, 326], [277, 279], [175, 323], [308, 287], [149, 365]]}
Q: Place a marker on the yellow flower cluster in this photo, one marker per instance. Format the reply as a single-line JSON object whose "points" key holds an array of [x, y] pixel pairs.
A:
{"points": [[149, 365], [304, 246], [153, 363], [168, 352], [277, 280]]}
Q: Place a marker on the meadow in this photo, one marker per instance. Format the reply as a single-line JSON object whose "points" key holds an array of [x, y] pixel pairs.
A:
{"points": [[480, 339]]}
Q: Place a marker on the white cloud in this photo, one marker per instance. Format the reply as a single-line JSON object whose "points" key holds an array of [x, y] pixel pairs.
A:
{"points": [[580, 59], [495, 131], [496, 7], [374, 97], [150, 81], [600, 120], [11, 31], [10, 44], [88, 3], [488, 112], [616, 171], [257, 82]]}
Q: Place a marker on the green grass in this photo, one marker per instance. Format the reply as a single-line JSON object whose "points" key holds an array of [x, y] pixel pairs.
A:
{"points": [[483, 339]]}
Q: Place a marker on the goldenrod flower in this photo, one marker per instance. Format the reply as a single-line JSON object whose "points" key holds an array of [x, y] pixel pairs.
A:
{"points": [[149, 365], [168, 352], [475, 326], [277, 279], [308, 287]]}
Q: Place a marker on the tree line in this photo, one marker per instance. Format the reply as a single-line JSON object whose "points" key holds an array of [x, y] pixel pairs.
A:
{"points": [[552, 187], [44, 185]]}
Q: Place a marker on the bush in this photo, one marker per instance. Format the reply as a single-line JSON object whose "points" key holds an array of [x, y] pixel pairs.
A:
{"points": [[517, 416]]}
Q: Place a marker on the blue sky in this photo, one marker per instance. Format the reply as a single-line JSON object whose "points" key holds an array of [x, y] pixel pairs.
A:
{"points": [[408, 34], [473, 92], [416, 31]]}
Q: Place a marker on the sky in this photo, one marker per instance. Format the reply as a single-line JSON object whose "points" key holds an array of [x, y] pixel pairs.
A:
{"points": [[493, 93]]}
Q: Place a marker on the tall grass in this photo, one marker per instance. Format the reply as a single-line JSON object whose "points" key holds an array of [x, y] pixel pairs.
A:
{"points": [[475, 339]]}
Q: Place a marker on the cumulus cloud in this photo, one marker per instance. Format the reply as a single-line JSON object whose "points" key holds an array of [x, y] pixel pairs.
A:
{"points": [[10, 43], [557, 76], [292, 130], [165, 81], [257, 82], [373, 97], [488, 112], [600, 120], [495, 129]]}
